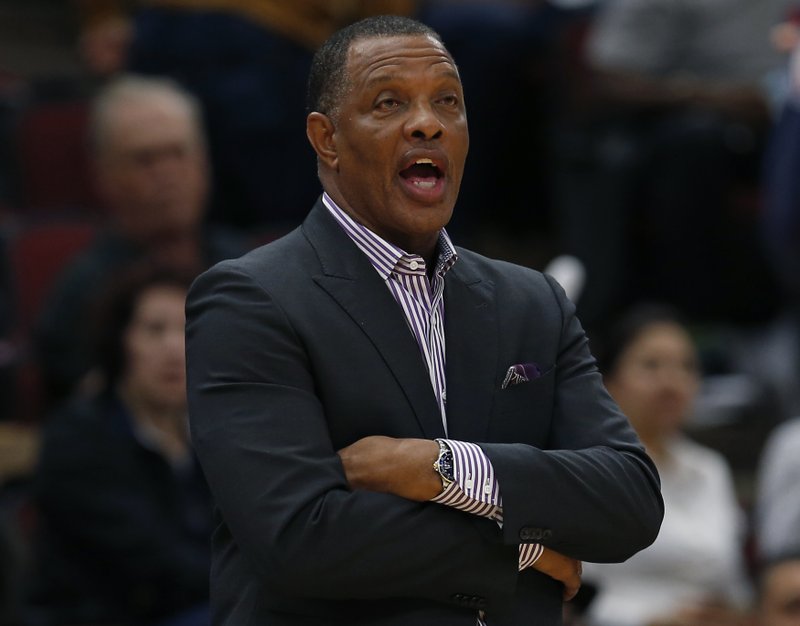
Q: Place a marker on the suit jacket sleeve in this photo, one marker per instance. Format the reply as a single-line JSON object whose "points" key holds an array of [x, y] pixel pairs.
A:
{"points": [[591, 492], [262, 434]]}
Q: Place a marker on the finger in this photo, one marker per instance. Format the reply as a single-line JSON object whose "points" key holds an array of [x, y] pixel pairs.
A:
{"points": [[570, 591]]}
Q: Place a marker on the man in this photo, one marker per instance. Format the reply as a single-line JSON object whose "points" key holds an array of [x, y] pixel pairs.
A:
{"points": [[779, 589], [151, 171], [318, 384]]}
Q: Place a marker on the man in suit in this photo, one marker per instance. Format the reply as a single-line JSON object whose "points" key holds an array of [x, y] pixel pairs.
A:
{"points": [[397, 431]]}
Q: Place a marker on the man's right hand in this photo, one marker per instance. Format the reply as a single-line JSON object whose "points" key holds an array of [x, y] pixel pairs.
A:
{"points": [[562, 568]]}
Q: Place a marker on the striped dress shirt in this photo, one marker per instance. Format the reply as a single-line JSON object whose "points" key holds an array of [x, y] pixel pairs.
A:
{"points": [[474, 489]]}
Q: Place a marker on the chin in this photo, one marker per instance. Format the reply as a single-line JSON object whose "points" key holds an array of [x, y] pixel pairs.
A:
{"points": [[435, 218]]}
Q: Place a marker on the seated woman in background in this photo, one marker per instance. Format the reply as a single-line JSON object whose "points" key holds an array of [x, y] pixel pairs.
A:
{"points": [[124, 511], [693, 575]]}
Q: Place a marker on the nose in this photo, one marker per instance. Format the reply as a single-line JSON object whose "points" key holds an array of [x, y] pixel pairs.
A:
{"points": [[676, 379], [167, 165], [423, 123]]}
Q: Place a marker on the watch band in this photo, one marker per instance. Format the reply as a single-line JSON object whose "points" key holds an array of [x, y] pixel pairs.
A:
{"points": [[444, 464]]}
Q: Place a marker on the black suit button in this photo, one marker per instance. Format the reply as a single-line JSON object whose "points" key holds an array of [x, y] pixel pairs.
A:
{"points": [[473, 602], [529, 534]]}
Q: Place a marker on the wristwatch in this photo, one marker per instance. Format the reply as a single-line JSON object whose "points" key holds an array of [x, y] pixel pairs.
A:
{"points": [[444, 464]]}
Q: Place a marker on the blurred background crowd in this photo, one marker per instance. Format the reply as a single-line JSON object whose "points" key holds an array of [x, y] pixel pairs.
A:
{"points": [[646, 152]]}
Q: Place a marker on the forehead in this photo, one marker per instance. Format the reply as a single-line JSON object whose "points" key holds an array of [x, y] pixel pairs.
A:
{"points": [[662, 339], [376, 59], [141, 122], [660, 333], [158, 298]]}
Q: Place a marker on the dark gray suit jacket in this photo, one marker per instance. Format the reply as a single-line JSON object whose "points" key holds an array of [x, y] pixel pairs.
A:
{"points": [[298, 349]]}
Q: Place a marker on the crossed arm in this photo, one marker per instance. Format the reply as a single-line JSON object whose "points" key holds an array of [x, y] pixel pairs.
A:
{"points": [[404, 467], [598, 491]]}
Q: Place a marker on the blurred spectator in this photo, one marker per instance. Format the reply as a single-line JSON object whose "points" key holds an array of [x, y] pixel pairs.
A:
{"points": [[660, 196], [779, 347], [693, 575], [247, 61], [778, 493], [779, 592], [124, 511], [149, 157], [782, 202], [782, 197]]}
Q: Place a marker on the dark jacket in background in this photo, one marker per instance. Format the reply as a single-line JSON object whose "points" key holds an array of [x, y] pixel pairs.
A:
{"points": [[124, 536]]}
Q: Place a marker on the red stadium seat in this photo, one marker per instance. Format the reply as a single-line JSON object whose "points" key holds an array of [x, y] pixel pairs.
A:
{"points": [[37, 252], [52, 157]]}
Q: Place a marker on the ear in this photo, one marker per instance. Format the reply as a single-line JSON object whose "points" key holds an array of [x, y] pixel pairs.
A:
{"points": [[320, 132]]}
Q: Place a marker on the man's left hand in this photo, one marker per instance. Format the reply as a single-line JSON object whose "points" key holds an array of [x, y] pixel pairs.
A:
{"points": [[562, 568]]}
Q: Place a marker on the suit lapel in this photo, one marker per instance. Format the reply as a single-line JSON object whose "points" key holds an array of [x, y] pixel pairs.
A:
{"points": [[471, 339], [349, 278]]}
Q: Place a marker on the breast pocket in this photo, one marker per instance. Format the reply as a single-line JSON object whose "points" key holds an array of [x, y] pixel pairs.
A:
{"points": [[522, 412]]}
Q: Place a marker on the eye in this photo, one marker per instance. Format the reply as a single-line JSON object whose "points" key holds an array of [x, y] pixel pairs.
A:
{"points": [[650, 364], [449, 100], [154, 328], [387, 104]]}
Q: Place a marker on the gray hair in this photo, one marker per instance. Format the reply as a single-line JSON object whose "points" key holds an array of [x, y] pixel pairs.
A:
{"points": [[132, 88]]}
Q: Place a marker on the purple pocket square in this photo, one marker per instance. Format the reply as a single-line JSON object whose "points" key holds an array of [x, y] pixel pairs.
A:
{"points": [[521, 373]]}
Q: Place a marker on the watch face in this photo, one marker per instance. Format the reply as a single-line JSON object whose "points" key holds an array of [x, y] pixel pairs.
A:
{"points": [[444, 464], [447, 466]]}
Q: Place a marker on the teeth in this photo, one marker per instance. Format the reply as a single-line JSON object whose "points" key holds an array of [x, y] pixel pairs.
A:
{"points": [[425, 184], [423, 162]]}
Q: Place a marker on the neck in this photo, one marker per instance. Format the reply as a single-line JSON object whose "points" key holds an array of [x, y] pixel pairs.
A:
{"points": [[179, 249], [656, 447], [427, 246], [165, 425]]}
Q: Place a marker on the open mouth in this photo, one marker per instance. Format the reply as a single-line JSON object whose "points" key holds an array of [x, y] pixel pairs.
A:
{"points": [[422, 173]]}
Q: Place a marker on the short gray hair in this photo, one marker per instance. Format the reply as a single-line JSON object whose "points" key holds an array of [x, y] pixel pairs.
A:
{"points": [[132, 88]]}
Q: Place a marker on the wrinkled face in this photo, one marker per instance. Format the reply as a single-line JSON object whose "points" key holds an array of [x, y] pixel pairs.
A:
{"points": [[151, 168], [780, 604], [399, 139], [656, 380], [155, 372]]}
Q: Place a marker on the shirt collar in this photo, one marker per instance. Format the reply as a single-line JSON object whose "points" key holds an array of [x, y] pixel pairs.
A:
{"points": [[386, 257]]}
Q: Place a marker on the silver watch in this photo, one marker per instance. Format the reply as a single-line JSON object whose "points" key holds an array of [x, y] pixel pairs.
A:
{"points": [[444, 464]]}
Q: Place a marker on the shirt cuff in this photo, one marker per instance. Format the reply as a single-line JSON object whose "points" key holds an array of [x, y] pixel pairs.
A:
{"points": [[529, 553], [474, 488]]}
